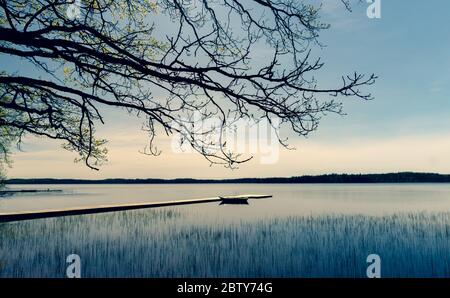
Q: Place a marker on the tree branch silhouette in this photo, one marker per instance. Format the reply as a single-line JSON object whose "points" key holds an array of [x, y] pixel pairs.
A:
{"points": [[206, 63]]}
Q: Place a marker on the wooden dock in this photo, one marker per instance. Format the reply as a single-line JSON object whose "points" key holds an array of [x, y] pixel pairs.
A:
{"points": [[27, 215], [21, 191]]}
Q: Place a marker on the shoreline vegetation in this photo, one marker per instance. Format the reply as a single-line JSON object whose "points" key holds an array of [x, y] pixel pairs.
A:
{"points": [[181, 243], [402, 177]]}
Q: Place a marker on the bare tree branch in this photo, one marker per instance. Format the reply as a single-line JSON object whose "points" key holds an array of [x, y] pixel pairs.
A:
{"points": [[114, 55]]}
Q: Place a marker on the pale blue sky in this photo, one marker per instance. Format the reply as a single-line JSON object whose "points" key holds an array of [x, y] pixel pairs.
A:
{"points": [[406, 126], [409, 49]]}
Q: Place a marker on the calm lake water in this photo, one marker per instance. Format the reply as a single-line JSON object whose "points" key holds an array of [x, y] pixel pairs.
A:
{"points": [[316, 230]]}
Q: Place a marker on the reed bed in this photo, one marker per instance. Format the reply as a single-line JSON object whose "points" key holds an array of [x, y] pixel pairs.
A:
{"points": [[176, 242]]}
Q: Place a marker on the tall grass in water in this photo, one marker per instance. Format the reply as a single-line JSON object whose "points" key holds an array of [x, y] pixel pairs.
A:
{"points": [[168, 243]]}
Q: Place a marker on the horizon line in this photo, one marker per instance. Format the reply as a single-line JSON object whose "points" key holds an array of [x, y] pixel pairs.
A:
{"points": [[326, 178]]}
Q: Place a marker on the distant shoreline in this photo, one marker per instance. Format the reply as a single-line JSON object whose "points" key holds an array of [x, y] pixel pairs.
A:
{"points": [[402, 177]]}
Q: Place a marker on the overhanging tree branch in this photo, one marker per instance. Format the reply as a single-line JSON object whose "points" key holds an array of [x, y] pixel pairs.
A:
{"points": [[204, 63]]}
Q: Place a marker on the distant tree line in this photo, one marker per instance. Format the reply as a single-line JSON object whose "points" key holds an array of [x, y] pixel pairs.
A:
{"points": [[404, 177]]}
